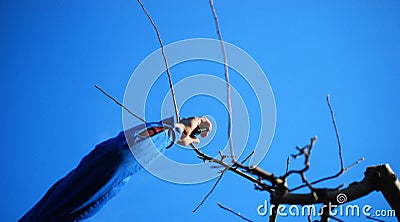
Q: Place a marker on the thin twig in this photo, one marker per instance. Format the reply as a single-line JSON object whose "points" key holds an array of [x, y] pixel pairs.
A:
{"points": [[120, 104], [209, 193], [245, 159], [228, 85], [306, 152], [234, 169], [342, 168], [336, 131], [236, 213], [287, 165], [353, 164], [330, 177], [171, 86]]}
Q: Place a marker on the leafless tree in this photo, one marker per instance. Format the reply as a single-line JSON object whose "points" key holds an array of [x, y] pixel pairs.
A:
{"points": [[376, 178]]}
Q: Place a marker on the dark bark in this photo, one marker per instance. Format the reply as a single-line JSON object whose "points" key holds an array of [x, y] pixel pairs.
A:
{"points": [[376, 178]]}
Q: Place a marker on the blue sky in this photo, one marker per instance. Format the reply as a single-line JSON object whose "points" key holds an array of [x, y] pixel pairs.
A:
{"points": [[53, 52]]}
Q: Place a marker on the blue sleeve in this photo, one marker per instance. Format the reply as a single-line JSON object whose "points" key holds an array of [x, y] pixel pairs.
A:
{"points": [[101, 174]]}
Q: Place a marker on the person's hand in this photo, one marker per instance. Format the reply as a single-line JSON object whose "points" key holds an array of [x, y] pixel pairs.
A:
{"points": [[190, 124]]}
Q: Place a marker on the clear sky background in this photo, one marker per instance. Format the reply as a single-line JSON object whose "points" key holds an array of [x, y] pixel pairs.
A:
{"points": [[53, 52]]}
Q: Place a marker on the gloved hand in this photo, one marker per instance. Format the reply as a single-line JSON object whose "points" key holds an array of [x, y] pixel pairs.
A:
{"points": [[188, 125]]}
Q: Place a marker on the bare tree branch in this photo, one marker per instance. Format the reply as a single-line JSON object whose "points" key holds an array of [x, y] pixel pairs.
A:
{"points": [[228, 84], [120, 104], [245, 159], [216, 183], [376, 178], [353, 164], [330, 177], [236, 213], [380, 178], [336, 132], [171, 85], [234, 169], [209, 193], [342, 168], [306, 152], [287, 165]]}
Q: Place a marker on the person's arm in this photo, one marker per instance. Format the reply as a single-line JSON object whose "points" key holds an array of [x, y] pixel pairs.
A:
{"points": [[148, 143], [177, 133], [103, 172]]}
